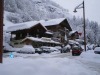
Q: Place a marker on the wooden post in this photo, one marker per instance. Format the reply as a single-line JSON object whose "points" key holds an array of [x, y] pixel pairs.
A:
{"points": [[84, 27], [1, 29]]}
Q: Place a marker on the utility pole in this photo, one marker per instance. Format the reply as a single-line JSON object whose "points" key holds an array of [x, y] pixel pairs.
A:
{"points": [[84, 26], [1, 30], [79, 7]]}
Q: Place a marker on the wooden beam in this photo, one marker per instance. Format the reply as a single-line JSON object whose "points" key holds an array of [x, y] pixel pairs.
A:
{"points": [[1, 29]]}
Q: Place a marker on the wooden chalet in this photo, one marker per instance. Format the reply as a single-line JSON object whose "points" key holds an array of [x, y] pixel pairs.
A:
{"points": [[73, 35], [59, 28], [33, 29], [56, 29]]}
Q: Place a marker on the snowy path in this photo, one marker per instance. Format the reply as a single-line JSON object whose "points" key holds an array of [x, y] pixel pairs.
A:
{"points": [[91, 65], [47, 64]]}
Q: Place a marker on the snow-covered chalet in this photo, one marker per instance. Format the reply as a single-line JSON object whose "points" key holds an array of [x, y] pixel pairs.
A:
{"points": [[40, 33]]}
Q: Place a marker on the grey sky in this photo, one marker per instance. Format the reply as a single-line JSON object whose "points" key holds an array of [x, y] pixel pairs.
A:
{"points": [[92, 8]]}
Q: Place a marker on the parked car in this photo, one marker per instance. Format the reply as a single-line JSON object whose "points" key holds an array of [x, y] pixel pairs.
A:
{"points": [[66, 49], [27, 49], [58, 47], [38, 50], [76, 50], [47, 49], [97, 50]]}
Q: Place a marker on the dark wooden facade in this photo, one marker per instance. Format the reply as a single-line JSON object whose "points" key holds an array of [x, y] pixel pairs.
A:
{"points": [[59, 30], [61, 25], [35, 31], [74, 36]]}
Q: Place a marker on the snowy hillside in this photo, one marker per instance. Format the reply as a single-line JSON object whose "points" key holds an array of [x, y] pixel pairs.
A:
{"points": [[26, 10], [6, 22]]}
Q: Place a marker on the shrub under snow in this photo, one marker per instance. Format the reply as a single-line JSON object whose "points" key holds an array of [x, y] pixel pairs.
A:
{"points": [[27, 49]]}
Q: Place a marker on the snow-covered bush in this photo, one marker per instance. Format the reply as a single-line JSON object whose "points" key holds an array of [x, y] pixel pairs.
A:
{"points": [[58, 47], [66, 48], [27, 49], [6, 37], [7, 47]]}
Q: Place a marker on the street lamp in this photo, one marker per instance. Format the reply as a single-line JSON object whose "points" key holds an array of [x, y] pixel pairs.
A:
{"points": [[79, 7], [74, 11]]}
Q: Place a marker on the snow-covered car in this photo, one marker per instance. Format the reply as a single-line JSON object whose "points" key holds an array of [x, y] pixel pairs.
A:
{"points": [[58, 47], [38, 50], [66, 49], [97, 50], [47, 49], [27, 49], [53, 49]]}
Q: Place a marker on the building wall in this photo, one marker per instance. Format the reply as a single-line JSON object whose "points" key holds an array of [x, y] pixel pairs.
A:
{"points": [[58, 32]]}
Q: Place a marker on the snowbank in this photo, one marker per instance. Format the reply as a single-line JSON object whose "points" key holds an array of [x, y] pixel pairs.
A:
{"points": [[7, 47], [90, 56], [27, 49]]}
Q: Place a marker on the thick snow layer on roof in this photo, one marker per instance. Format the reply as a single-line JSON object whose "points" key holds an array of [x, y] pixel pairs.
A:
{"points": [[21, 26], [72, 32], [33, 39], [48, 32], [48, 40], [26, 25], [73, 42], [52, 22], [78, 40]]}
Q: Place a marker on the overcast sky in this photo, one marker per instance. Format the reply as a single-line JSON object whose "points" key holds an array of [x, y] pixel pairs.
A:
{"points": [[92, 8]]}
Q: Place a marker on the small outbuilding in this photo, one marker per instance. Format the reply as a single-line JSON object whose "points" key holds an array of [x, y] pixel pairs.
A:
{"points": [[38, 42]]}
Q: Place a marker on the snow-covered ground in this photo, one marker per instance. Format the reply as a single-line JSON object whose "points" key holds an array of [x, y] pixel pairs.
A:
{"points": [[55, 63], [90, 56]]}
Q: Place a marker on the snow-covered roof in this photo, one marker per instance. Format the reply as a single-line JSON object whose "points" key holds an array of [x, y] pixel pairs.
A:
{"points": [[25, 25], [79, 40], [48, 40], [33, 39], [72, 32], [52, 22], [73, 42], [47, 32]]}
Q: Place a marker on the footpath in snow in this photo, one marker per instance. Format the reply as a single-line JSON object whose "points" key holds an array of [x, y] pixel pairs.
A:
{"points": [[49, 64]]}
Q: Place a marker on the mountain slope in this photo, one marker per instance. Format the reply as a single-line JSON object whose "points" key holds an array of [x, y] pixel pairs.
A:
{"points": [[26, 10]]}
